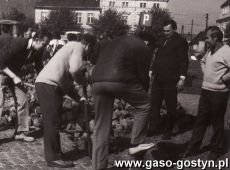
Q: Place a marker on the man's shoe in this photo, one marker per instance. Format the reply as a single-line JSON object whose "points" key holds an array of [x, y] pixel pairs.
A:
{"points": [[141, 148], [213, 156], [23, 137], [60, 164]]}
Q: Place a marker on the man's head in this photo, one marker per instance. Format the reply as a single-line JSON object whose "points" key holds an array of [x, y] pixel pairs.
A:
{"points": [[88, 41], [28, 33], [213, 36], [41, 41], [169, 27]]}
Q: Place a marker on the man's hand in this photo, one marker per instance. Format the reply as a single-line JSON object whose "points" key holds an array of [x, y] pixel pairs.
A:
{"points": [[228, 122], [180, 85], [82, 99], [150, 74], [17, 80]]}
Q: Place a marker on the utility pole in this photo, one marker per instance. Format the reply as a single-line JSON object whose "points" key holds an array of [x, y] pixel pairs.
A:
{"points": [[206, 21], [206, 27], [191, 31], [182, 30]]}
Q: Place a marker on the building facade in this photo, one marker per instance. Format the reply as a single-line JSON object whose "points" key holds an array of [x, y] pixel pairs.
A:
{"points": [[224, 15], [131, 9], [84, 11]]}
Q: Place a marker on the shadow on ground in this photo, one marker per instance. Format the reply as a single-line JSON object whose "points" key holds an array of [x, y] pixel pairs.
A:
{"points": [[6, 140], [36, 133], [75, 154]]}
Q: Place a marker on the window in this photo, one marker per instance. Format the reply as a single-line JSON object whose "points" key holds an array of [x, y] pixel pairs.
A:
{"points": [[125, 4], [90, 18], [158, 5], [225, 10], [143, 5], [154, 5], [44, 15], [111, 3], [78, 18]]}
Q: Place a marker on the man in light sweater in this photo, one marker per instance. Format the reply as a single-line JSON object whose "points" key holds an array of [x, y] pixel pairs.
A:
{"points": [[214, 95], [55, 80]]}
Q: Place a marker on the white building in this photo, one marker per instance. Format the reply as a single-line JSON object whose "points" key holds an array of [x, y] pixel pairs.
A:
{"points": [[85, 10], [224, 15], [131, 9]]}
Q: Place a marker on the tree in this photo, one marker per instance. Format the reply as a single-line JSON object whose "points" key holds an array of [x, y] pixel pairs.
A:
{"points": [[16, 15], [158, 17], [110, 24], [60, 20]]}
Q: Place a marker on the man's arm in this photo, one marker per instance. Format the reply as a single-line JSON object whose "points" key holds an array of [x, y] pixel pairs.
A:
{"points": [[73, 94], [142, 62], [184, 61], [15, 78], [75, 62], [226, 76], [183, 55]]}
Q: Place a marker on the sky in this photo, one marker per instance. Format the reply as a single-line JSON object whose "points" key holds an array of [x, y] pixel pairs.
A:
{"points": [[184, 11]]}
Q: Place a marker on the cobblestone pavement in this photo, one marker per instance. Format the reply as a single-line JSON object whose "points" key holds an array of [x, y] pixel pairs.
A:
{"points": [[18, 155], [30, 156]]}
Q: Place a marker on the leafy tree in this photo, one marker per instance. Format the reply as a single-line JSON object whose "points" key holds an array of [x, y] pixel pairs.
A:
{"points": [[110, 24], [158, 17], [16, 15], [60, 20]]}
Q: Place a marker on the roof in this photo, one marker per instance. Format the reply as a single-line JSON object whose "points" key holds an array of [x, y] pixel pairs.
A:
{"points": [[226, 3], [8, 22], [73, 4], [226, 19]]}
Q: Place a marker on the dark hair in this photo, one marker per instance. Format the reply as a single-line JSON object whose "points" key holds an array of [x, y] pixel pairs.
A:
{"points": [[6, 28], [90, 39], [146, 36], [41, 35], [216, 32], [73, 37], [170, 22], [56, 35]]}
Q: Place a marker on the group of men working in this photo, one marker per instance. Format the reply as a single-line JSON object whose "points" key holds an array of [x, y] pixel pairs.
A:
{"points": [[122, 71]]}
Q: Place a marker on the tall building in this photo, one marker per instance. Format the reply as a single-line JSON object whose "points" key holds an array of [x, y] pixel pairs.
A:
{"points": [[224, 15], [131, 9]]}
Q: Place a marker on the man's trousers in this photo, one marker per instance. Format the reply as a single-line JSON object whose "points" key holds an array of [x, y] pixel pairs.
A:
{"points": [[21, 101], [167, 92], [212, 108], [104, 94], [50, 99]]}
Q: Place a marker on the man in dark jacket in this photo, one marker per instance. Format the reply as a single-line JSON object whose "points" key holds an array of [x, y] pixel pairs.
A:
{"points": [[121, 72], [168, 70], [13, 56], [4, 38]]}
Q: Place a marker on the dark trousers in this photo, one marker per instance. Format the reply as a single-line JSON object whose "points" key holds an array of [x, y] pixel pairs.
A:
{"points": [[104, 94], [167, 92], [50, 100], [212, 107]]}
